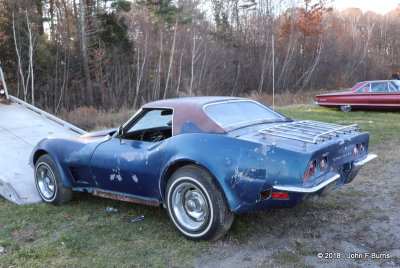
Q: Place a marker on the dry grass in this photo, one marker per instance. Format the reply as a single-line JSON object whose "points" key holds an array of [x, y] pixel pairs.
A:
{"points": [[92, 119], [287, 98]]}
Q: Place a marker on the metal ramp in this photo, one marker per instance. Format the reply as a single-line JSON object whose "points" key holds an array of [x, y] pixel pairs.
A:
{"points": [[21, 127]]}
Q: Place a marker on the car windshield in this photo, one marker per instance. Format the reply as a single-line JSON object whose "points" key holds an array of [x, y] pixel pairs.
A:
{"points": [[227, 114]]}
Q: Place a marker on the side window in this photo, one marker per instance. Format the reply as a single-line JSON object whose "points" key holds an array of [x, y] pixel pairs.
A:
{"points": [[152, 126], [393, 87], [379, 87], [364, 89]]}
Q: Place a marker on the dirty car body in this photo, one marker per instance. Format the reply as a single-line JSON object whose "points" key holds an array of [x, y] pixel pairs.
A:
{"points": [[204, 159]]}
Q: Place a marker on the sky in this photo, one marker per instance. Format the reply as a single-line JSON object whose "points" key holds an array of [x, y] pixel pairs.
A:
{"points": [[378, 6]]}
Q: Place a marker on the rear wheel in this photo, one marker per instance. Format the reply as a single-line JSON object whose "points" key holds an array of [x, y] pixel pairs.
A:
{"points": [[48, 182], [345, 108], [196, 205]]}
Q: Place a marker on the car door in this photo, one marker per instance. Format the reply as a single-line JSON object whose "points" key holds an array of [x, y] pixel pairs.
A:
{"points": [[381, 95], [360, 97], [131, 163]]}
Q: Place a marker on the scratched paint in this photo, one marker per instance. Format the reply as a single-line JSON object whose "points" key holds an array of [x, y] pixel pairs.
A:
{"points": [[128, 156], [115, 177]]}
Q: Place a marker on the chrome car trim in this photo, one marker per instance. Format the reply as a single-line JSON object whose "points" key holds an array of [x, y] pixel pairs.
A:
{"points": [[308, 131], [355, 104], [365, 160], [303, 190], [357, 165]]}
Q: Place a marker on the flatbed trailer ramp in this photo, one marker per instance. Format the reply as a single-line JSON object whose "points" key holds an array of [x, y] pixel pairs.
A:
{"points": [[22, 126]]}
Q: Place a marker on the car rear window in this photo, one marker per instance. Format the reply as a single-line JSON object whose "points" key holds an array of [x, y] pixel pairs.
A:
{"points": [[232, 113], [357, 86], [396, 84]]}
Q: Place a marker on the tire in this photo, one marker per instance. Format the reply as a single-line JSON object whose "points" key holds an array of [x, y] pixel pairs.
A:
{"points": [[345, 108], [196, 205], [48, 182]]}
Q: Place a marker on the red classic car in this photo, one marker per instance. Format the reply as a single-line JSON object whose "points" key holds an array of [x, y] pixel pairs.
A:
{"points": [[382, 94]]}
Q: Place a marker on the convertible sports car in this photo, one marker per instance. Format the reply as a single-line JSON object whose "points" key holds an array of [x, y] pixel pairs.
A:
{"points": [[203, 159], [383, 94]]}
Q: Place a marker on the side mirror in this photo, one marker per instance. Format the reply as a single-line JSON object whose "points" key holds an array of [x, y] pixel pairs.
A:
{"points": [[120, 134]]}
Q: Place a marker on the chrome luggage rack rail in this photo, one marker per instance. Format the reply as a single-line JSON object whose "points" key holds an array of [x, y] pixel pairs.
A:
{"points": [[308, 131]]}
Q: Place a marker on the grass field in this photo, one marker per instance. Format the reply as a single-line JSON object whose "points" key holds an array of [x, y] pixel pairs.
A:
{"points": [[83, 234]]}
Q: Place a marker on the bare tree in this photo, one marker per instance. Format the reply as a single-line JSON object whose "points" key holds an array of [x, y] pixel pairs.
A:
{"points": [[31, 40], [17, 50], [140, 69], [194, 58], [171, 59], [30, 73], [180, 70], [85, 56]]}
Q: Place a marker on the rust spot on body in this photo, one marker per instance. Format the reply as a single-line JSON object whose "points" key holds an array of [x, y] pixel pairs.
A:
{"points": [[126, 198]]}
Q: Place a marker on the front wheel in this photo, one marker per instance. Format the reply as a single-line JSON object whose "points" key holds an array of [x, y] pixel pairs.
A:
{"points": [[48, 182], [196, 206], [345, 108]]}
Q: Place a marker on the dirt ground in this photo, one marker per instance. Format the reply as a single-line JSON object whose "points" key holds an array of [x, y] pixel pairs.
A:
{"points": [[357, 225]]}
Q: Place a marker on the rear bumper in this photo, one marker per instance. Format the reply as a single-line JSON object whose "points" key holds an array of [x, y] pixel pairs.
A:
{"points": [[328, 183], [356, 166], [304, 190], [321, 186]]}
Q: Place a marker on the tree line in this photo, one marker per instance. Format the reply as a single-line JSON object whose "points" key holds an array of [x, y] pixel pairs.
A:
{"points": [[61, 54]]}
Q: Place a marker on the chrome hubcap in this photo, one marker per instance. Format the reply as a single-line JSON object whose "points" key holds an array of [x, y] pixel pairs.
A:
{"points": [[45, 181], [190, 206], [345, 108]]}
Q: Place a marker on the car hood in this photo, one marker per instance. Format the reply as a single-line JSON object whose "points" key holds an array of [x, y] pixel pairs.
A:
{"points": [[101, 133]]}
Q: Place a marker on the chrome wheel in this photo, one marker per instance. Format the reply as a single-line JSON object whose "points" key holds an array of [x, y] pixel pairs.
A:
{"points": [[196, 205], [345, 108], [45, 180], [190, 206]]}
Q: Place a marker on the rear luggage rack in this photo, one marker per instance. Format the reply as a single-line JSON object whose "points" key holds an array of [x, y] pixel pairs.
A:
{"points": [[308, 131]]}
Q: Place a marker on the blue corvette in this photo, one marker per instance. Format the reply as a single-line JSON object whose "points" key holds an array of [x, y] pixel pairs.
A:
{"points": [[203, 159]]}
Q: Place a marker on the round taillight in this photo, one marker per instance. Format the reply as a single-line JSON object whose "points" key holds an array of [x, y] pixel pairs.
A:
{"points": [[356, 151], [323, 163], [312, 167], [362, 149]]}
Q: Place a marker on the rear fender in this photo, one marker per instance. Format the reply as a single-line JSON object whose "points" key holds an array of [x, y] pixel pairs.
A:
{"points": [[241, 168]]}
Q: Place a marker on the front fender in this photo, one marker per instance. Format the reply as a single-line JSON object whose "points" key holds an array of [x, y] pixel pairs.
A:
{"points": [[69, 153]]}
